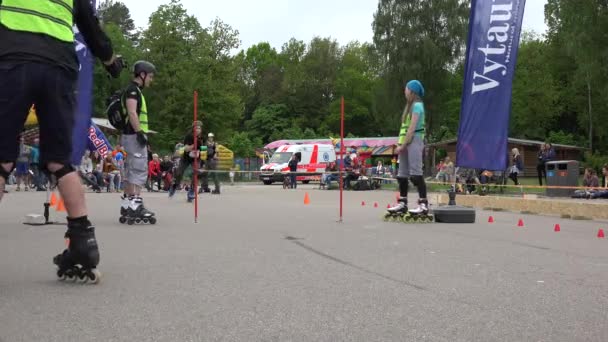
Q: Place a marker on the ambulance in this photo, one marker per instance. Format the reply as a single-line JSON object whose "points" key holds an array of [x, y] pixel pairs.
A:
{"points": [[312, 159]]}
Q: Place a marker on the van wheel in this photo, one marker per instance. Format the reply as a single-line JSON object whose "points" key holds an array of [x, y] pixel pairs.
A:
{"points": [[305, 182], [267, 182]]}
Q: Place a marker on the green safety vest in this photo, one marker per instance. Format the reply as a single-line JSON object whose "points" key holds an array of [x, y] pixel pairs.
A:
{"points": [[50, 17], [404, 127], [143, 114]]}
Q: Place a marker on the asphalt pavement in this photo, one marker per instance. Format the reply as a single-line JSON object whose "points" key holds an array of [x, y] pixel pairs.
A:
{"points": [[262, 266]]}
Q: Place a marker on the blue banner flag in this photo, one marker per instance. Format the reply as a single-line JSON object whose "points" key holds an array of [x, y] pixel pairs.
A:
{"points": [[493, 42], [97, 141], [84, 99]]}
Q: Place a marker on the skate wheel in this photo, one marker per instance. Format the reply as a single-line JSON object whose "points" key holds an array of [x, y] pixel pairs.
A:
{"points": [[94, 276], [152, 220], [145, 220], [130, 222], [60, 274], [138, 221], [122, 219]]}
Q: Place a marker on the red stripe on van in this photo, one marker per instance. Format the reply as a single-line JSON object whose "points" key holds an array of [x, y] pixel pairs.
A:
{"points": [[315, 154]]}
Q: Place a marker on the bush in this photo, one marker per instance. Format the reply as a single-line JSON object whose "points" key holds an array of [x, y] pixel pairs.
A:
{"points": [[595, 161]]}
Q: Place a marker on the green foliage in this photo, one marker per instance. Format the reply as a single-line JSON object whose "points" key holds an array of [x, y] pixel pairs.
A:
{"points": [[595, 161], [242, 145], [563, 138], [252, 96]]}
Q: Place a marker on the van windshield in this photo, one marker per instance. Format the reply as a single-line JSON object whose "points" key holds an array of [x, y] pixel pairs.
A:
{"points": [[281, 157]]}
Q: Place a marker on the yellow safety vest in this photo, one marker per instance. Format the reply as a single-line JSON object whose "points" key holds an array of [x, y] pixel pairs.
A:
{"points": [[53, 18], [404, 127], [143, 112]]}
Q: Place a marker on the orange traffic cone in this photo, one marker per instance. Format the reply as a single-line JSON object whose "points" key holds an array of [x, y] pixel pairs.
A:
{"points": [[600, 234], [60, 205], [490, 219], [363, 203], [306, 199], [53, 201], [520, 223], [557, 228], [375, 204]]}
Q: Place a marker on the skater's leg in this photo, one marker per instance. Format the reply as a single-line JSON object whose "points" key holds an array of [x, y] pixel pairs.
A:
{"points": [[216, 177], [178, 175], [539, 170], [414, 158], [54, 109], [17, 89]]}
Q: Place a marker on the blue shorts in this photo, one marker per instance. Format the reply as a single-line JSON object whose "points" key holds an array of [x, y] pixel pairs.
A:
{"points": [[22, 169]]}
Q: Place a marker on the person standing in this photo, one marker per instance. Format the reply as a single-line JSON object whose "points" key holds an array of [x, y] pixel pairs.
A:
{"points": [[410, 150], [135, 142], [38, 64], [154, 173], [517, 166], [212, 160], [23, 165], [293, 168]]}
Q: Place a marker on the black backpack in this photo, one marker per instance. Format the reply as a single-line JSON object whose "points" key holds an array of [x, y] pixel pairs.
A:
{"points": [[115, 111]]}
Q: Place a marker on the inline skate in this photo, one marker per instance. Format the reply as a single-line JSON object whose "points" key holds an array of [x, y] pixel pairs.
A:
{"points": [[190, 195], [79, 260], [137, 213], [400, 213]]}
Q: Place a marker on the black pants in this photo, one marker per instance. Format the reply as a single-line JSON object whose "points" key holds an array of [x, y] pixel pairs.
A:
{"points": [[52, 90], [542, 173], [513, 177]]}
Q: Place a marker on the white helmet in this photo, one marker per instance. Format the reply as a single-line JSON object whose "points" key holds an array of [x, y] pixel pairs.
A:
{"points": [[210, 135]]}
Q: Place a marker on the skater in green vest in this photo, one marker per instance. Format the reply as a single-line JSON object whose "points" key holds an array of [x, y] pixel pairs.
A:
{"points": [[410, 150]]}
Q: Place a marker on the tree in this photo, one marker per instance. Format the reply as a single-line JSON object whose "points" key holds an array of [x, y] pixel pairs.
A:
{"points": [[268, 121], [418, 40], [579, 28], [536, 93], [116, 12]]}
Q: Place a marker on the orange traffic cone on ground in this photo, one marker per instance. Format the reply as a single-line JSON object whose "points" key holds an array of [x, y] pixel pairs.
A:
{"points": [[490, 219], [60, 205], [53, 201], [375, 204], [520, 223], [600, 234], [306, 199], [557, 228]]}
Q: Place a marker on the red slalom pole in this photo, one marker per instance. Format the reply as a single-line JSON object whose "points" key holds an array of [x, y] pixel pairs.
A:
{"points": [[341, 153], [195, 164]]}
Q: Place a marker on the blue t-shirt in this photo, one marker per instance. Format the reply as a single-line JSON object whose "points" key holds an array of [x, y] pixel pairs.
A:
{"points": [[418, 109]]}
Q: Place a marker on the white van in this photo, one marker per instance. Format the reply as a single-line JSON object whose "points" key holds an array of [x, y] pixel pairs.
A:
{"points": [[312, 159]]}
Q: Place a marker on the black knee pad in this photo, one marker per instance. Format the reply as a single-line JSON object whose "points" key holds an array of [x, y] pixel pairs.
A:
{"points": [[57, 175], [5, 174]]}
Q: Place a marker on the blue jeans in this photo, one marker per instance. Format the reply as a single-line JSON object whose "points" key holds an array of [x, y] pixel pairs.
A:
{"points": [[294, 183], [329, 179]]}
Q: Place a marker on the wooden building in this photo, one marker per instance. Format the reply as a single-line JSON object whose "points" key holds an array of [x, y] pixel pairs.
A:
{"points": [[527, 148]]}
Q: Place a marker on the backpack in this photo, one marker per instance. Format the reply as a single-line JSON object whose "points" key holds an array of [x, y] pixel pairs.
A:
{"points": [[115, 111]]}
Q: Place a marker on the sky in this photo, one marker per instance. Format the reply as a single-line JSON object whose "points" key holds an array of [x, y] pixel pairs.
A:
{"points": [[277, 21]]}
